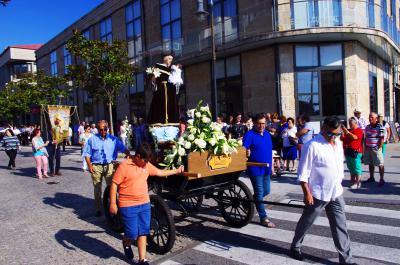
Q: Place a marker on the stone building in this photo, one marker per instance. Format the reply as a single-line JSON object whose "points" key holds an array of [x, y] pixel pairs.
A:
{"points": [[16, 60], [316, 57]]}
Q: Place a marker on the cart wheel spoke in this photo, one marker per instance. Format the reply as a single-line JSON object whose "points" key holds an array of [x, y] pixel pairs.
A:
{"points": [[234, 205]]}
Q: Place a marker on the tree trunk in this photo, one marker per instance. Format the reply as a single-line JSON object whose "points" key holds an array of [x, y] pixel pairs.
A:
{"points": [[111, 116]]}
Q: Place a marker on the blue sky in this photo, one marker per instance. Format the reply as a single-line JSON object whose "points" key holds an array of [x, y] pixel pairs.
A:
{"points": [[37, 21]]}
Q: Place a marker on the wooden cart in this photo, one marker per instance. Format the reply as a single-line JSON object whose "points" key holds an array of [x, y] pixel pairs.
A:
{"points": [[207, 176]]}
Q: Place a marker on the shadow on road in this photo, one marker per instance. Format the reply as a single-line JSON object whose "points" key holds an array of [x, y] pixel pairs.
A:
{"points": [[83, 208], [81, 239]]}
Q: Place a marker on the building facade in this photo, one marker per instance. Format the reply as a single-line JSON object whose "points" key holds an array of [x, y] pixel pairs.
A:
{"points": [[315, 57], [15, 61]]}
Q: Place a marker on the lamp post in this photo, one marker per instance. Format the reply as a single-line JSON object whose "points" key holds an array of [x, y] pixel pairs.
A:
{"points": [[201, 14]]}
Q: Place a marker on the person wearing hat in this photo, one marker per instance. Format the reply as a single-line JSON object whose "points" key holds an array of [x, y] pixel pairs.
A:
{"points": [[361, 122]]}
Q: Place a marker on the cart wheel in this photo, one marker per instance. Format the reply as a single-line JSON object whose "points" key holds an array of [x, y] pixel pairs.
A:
{"points": [[162, 229], [114, 221], [191, 204], [235, 212]]}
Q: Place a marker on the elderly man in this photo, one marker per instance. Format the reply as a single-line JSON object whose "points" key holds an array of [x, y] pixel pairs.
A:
{"points": [[258, 145], [361, 122], [320, 173], [100, 150], [374, 140]]}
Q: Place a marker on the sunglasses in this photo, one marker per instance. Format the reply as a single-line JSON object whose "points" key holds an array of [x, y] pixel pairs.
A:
{"points": [[330, 134], [102, 129]]}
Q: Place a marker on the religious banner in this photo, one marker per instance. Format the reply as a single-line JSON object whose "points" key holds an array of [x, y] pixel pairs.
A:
{"points": [[59, 118]]}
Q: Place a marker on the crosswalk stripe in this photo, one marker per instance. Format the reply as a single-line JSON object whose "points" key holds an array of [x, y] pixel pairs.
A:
{"points": [[245, 255], [324, 243], [378, 212], [373, 211], [351, 225], [170, 262]]}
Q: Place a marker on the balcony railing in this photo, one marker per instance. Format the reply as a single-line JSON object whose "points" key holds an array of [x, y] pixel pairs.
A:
{"points": [[301, 14], [263, 19]]}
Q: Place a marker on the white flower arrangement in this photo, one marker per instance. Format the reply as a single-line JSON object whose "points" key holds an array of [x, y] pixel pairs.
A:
{"points": [[201, 135], [153, 71]]}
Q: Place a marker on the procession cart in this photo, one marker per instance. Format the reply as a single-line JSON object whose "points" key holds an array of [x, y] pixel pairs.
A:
{"points": [[206, 176]]}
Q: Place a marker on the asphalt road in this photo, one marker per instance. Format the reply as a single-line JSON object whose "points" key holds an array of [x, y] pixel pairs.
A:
{"points": [[52, 222]]}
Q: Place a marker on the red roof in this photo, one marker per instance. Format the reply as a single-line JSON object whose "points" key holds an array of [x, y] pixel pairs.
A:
{"points": [[27, 46]]}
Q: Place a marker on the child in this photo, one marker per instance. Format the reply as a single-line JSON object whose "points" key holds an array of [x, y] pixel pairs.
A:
{"points": [[134, 202]]}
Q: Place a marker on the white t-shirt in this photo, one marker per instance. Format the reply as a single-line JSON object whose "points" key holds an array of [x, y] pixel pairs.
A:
{"points": [[81, 129], [122, 131], [386, 126], [288, 133]]}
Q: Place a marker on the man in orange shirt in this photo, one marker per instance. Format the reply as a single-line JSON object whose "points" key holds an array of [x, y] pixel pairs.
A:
{"points": [[130, 179]]}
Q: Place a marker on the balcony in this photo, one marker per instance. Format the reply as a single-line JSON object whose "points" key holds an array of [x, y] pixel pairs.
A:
{"points": [[286, 21]]}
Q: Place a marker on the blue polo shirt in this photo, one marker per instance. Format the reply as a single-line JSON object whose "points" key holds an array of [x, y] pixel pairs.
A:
{"points": [[261, 151], [103, 151]]}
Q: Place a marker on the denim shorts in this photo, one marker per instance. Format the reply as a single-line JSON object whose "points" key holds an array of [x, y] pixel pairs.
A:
{"points": [[136, 220]]}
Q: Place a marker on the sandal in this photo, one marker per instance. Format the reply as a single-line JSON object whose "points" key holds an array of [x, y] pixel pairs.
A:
{"points": [[128, 251], [267, 223]]}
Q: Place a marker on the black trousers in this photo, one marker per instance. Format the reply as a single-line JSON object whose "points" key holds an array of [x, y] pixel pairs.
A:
{"points": [[12, 154], [54, 156]]}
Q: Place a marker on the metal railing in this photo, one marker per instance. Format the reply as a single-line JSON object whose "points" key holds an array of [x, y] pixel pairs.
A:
{"points": [[260, 20]]}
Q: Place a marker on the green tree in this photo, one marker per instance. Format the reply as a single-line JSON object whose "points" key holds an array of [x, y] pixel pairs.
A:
{"points": [[32, 89], [101, 69]]}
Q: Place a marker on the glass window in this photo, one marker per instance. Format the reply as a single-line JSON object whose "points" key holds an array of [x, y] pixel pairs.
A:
{"points": [[371, 13], [306, 56], [220, 69], [384, 16], [133, 28], [331, 55], [329, 13], [316, 13], [373, 96], [372, 63], [67, 59], [171, 25], [332, 92], [86, 34], [165, 15], [138, 84], [53, 63], [307, 93], [233, 66], [225, 20], [175, 9], [106, 30]]}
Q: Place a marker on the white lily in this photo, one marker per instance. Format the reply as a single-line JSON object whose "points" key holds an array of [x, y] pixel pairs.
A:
{"points": [[197, 114], [188, 145], [191, 137]]}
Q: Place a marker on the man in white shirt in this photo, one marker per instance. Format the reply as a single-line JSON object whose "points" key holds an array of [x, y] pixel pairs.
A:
{"points": [[320, 173], [361, 122]]}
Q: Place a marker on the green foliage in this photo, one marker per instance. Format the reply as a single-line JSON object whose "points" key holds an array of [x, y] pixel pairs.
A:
{"points": [[101, 68], [31, 90]]}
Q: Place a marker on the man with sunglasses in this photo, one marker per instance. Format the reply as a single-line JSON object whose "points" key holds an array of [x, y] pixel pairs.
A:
{"points": [[320, 173], [99, 152]]}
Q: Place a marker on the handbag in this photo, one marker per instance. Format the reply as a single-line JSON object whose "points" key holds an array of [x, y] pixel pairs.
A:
{"points": [[351, 152]]}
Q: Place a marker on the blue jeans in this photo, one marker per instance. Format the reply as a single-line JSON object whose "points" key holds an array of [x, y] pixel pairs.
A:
{"points": [[261, 187]]}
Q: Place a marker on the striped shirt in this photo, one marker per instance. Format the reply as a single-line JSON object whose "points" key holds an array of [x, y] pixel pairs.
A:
{"points": [[9, 142], [373, 135]]}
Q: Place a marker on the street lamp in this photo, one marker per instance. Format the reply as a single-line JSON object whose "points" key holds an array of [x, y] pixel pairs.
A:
{"points": [[202, 14]]}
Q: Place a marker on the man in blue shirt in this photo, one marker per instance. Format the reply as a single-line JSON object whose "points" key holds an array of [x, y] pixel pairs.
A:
{"points": [[258, 145], [100, 150]]}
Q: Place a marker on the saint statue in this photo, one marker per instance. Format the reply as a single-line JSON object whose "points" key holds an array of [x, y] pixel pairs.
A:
{"points": [[165, 82]]}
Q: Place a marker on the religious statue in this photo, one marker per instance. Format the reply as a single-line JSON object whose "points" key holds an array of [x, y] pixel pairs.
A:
{"points": [[166, 80]]}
